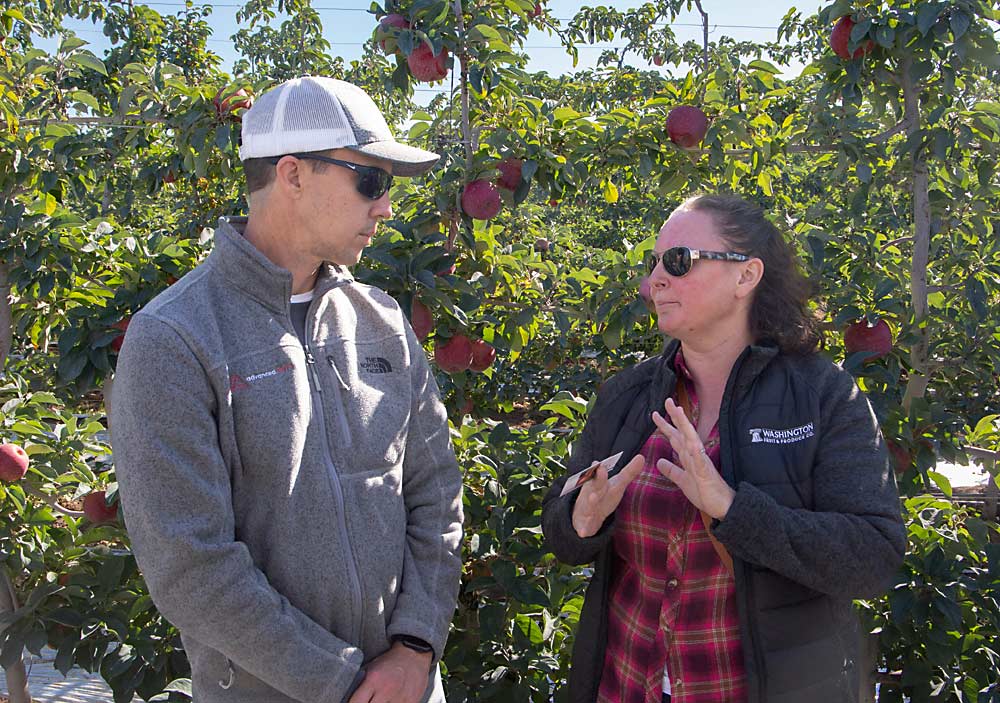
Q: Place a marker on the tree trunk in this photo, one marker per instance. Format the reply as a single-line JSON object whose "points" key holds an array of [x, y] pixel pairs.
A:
{"points": [[17, 678], [919, 352], [704, 29], [6, 314]]}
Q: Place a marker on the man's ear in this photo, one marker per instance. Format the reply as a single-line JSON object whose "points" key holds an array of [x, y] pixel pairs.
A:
{"points": [[287, 176], [750, 277]]}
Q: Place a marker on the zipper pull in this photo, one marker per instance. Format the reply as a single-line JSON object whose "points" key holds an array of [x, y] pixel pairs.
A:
{"points": [[311, 364]]}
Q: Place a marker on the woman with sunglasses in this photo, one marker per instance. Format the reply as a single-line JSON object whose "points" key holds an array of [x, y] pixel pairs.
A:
{"points": [[752, 500]]}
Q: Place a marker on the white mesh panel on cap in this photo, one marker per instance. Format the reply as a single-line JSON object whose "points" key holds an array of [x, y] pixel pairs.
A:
{"points": [[316, 113], [313, 108]]}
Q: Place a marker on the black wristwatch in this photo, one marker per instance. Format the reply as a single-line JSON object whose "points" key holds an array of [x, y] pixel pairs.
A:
{"points": [[414, 643]]}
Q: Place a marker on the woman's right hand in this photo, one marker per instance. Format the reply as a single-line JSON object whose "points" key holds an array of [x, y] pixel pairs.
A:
{"points": [[600, 496]]}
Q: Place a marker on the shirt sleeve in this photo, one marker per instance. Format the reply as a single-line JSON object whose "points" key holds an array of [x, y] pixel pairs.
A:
{"points": [[854, 539], [557, 511], [432, 493]]}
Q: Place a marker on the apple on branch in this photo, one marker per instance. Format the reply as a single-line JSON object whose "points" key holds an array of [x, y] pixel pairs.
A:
{"points": [[13, 463], [454, 355], [875, 340], [97, 510], [481, 200], [687, 126], [840, 39], [427, 67]]}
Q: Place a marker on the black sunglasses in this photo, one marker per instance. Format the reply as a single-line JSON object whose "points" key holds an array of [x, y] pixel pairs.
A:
{"points": [[373, 182], [677, 261]]}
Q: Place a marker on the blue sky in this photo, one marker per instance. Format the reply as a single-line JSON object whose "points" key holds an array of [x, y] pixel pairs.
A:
{"points": [[347, 24]]}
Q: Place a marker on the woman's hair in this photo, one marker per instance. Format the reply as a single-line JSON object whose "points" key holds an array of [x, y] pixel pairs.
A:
{"points": [[780, 309]]}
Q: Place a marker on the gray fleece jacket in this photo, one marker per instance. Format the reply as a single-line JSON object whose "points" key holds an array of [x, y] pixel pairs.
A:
{"points": [[292, 507]]}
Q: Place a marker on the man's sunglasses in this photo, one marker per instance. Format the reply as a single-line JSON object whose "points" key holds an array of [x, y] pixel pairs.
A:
{"points": [[373, 182], [677, 261]]}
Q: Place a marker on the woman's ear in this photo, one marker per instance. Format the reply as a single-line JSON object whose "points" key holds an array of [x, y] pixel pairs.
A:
{"points": [[750, 276]]}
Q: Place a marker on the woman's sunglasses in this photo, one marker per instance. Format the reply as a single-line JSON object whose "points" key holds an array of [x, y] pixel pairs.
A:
{"points": [[677, 261], [373, 182]]}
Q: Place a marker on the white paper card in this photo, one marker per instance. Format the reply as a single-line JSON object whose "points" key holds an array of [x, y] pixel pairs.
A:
{"points": [[580, 478]]}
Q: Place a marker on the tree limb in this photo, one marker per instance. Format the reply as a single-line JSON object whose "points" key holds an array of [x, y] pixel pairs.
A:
{"points": [[704, 29], [6, 314], [17, 678]]}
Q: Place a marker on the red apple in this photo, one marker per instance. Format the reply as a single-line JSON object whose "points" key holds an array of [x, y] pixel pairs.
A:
{"points": [[901, 459], [840, 38], [122, 325], [169, 176], [510, 173], [467, 407], [537, 11], [481, 200], [386, 25], [542, 245], [421, 319], [226, 103], [658, 59], [425, 66], [875, 339], [483, 355], [97, 510], [13, 463], [686, 126], [553, 203], [454, 355]]}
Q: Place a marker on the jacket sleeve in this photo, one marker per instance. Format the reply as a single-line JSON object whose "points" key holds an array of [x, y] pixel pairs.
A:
{"points": [[557, 512], [852, 543], [176, 496], [432, 494]]}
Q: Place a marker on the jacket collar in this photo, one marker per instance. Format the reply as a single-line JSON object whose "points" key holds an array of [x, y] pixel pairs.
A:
{"points": [[748, 366], [246, 268]]}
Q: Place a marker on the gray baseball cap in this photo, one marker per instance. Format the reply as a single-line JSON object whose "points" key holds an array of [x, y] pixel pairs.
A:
{"points": [[316, 113]]}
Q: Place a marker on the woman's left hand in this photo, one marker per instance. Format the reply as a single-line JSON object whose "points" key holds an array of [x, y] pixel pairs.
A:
{"points": [[697, 475]]}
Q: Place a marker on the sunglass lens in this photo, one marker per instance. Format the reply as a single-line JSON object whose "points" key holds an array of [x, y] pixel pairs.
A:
{"points": [[651, 261], [677, 260], [374, 183]]}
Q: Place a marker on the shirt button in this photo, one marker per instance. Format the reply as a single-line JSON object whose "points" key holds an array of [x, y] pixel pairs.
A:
{"points": [[672, 583]]}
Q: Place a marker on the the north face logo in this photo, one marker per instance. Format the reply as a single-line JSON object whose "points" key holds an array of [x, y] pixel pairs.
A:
{"points": [[376, 364], [771, 436]]}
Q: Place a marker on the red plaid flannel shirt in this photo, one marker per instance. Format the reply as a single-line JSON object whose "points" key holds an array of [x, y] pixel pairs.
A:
{"points": [[672, 601]]}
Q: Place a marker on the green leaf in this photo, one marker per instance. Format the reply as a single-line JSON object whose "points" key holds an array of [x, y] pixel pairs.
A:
{"points": [[960, 22], [942, 482], [927, 14], [85, 59], [761, 65], [975, 293]]}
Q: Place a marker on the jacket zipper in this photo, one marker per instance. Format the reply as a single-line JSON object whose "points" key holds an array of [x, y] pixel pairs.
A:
{"points": [[352, 563]]}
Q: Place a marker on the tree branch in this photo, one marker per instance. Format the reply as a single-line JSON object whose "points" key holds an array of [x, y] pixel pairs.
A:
{"points": [[54, 504], [6, 314], [704, 29], [17, 678]]}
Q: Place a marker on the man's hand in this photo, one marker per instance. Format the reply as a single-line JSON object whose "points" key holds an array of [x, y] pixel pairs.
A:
{"points": [[600, 496], [400, 675], [697, 475]]}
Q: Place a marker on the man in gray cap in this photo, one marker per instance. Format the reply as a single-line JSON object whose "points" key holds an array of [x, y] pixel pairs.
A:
{"points": [[284, 461]]}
